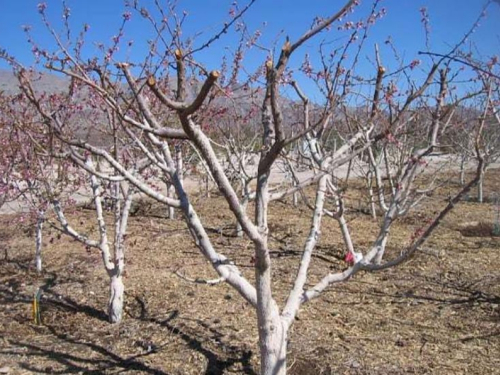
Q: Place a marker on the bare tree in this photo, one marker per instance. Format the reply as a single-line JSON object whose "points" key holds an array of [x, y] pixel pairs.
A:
{"points": [[50, 173], [133, 100]]}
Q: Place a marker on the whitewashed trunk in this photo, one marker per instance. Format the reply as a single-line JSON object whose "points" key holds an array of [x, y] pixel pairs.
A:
{"points": [[381, 250], [115, 306], [272, 333], [345, 234], [244, 204], [171, 194], [373, 208], [480, 190], [381, 242], [239, 228], [462, 171], [273, 343], [388, 173], [38, 242], [207, 186], [179, 163]]}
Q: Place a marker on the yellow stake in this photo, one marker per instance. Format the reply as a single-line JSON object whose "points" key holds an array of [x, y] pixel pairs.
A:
{"points": [[36, 308]]}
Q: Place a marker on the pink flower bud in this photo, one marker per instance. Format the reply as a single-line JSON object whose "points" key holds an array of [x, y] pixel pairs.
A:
{"points": [[41, 7]]}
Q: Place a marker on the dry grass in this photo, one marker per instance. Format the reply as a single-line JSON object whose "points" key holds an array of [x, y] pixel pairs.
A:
{"points": [[435, 314]]}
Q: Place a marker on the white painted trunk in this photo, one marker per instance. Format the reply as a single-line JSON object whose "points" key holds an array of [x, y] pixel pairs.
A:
{"points": [[378, 250], [273, 343], [388, 172], [462, 171], [244, 204], [373, 208], [480, 190], [207, 186], [115, 306], [346, 234], [179, 163], [171, 194], [272, 332], [239, 228], [38, 242], [381, 250]]}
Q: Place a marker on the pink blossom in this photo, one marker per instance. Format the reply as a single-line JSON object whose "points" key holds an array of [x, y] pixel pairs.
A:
{"points": [[41, 7], [492, 62], [414, 64]]}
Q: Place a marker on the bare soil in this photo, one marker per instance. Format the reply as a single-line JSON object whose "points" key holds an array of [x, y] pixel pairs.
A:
{"points": [[439, 313]]}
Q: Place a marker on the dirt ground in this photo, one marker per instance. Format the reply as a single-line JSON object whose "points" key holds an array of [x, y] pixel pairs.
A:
{"points": [[439, 313]]}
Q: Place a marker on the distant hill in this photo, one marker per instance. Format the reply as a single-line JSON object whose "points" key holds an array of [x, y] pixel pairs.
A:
{"points": [[87, 123], [47, 83]]}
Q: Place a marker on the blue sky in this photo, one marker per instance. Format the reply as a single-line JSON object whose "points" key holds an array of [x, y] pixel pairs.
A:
{"points": [[449, 20]]}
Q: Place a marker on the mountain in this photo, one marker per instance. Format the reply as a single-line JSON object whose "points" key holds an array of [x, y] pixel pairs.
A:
{"points": [[49, 83]]}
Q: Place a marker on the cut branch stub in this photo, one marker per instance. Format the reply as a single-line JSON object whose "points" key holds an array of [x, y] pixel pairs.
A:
{"points": [[269, 65], [178, 54], [205, 89], [151, 81]]}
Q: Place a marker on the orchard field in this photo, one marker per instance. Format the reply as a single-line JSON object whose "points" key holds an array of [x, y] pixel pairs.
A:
{"points": [[239, 187], [437, 314]]}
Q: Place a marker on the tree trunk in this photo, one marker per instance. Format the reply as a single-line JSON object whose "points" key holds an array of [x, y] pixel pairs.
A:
{"points": [[462, 171], [272, 333], [373, 208], [207, 186], [480, 197], [345, 234], [171, 194], [239, 228], [115, 306], [179, 163], [38, 241], [244, 204], [273, 343], [381, 241]]}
